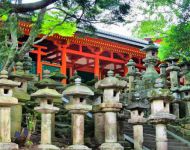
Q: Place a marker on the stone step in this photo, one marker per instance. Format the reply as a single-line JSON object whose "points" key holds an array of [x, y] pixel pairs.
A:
{"points": [[149, 138]]}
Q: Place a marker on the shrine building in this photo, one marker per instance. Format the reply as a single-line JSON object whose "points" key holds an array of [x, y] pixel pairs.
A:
{"points": [[89, 55]]}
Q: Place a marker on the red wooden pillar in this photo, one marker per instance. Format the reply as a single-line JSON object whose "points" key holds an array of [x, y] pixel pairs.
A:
{"points": [[63, 62], [125, 70], [96, 66], [39, 63]]}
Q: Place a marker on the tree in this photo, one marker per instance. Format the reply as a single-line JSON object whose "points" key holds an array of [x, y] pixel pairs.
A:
{"points": [[52, 19], [170, 21]]}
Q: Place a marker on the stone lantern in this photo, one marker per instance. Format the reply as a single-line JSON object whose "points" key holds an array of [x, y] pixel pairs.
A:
{"points": [[150, 75], [173, 70], [59, 86], [98, 115], [99, 133], [58, 77], [6, 101], [21, 94], [46, 108], [185, 89], [137, 107], [47, 81], [137, 119], [27, 64], [78, 107], [131, 76], [111, 91], [160, 99], [163, 73]]}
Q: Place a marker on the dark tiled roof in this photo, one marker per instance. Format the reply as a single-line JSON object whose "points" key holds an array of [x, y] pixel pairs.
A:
{"points": [[117, 37]]}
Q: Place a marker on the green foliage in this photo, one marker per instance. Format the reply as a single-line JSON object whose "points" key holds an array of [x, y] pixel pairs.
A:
{"points": [[175, 34], [9, 26], [177, 42], [151, 28], [31, 122], [54, 23]]}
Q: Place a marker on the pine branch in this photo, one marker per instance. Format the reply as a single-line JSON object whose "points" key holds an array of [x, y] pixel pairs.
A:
{"points": [[33, 33]]}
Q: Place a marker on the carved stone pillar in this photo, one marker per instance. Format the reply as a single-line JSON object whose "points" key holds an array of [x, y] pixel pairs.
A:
{"points": [[78, 108], [160, 98], [6, 101], [111, 87]]}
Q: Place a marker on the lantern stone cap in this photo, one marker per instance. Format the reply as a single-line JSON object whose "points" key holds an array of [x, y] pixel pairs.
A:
{"points": [[159, 92], [20, 73], [47, 109], [46, 81], [8, 101], [77, 89], [161, 116], [185, 88], [163, 65], [171, 58], [150, 47], [172, 68], [57, 76], [46, 93], [84, 107], [137, 106], [75, 76], [4, 81], [21, 95], [150, 73], [111, 82], [131, 63]]}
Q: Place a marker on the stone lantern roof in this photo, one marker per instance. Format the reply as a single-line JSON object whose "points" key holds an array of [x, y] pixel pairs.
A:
{"points": [[46, 93], [27, 63], [159, 92], [137, 106], [46, 81], [57, 76], [20, 73], [130, 63], [161, 117], [4, 81], [171, 59], [72, 79], [111, 82], [151, 47], [78, 89]]}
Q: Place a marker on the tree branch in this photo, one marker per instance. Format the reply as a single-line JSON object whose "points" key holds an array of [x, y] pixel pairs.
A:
{"points": [[33, 33], [50, 32], [21, 8]]}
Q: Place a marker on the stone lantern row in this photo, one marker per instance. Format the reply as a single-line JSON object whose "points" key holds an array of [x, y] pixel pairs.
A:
{"points": [[152, 88], [78, 107]]}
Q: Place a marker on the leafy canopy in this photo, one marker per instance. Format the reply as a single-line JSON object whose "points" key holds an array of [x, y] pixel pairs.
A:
{"points": [[168, 20], [53, 24], [177, 42]]}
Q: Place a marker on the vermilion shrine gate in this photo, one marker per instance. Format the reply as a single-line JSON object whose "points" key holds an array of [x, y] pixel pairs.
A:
{"points": [[88, 54]]}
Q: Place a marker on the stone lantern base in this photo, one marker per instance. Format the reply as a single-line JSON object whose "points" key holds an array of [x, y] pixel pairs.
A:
{"points": [[77, 147], [48, 147], [8, 146], [111, 146]]}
